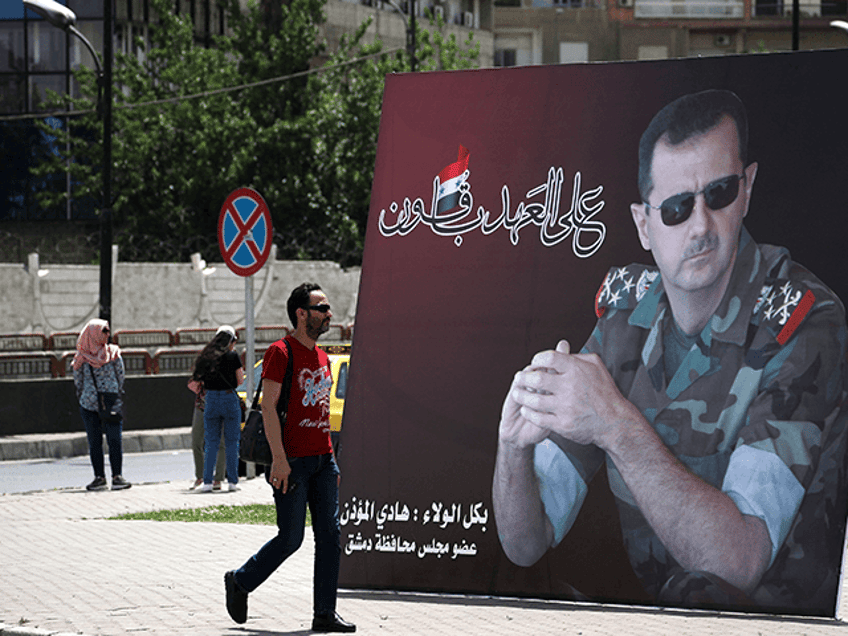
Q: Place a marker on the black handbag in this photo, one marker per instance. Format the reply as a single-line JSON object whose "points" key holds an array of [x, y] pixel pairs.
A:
{"points": [[253, 443], [106, 403]]}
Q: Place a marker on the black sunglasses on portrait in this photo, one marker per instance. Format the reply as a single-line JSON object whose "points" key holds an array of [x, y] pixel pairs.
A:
{"points": [[717, 195], [323, 308]]}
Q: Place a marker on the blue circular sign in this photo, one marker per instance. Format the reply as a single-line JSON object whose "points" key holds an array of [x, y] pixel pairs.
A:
{"points": [[245, 232]]}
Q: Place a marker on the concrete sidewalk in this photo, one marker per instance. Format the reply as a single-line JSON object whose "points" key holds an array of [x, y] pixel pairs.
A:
{"points": [[67, 567]]}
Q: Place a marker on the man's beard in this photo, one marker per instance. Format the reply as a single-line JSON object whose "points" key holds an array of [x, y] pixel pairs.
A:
{"points": [[315, 329]]}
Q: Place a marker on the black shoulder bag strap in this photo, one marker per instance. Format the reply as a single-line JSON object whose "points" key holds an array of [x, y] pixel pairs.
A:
{"points": [[93, 379], [283, 403]]}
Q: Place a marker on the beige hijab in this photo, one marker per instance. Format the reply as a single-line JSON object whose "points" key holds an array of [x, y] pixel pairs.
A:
{"points": [[93, 347]]}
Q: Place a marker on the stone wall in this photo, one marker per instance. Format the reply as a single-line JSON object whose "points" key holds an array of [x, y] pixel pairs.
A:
{"points": [[52, 298]]}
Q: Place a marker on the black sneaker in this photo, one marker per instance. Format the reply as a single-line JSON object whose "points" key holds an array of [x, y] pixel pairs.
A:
{"points": [[99, 483], [236, 598], [332, 623], [119, 483]]}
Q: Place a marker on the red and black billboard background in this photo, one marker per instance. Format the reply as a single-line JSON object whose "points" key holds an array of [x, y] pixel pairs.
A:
{"points": [[452, 304]]}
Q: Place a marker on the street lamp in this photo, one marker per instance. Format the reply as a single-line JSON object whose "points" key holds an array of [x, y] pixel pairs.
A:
{"points": [[61, 16], [840, 24], [410, 30]]}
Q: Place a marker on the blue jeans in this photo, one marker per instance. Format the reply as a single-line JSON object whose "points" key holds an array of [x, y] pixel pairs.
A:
{"points": [[313, 481], [222, 413], [94, 431]]}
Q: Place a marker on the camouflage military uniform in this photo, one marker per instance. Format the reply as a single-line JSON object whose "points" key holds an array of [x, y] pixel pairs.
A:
{"points": [[761, 393]]}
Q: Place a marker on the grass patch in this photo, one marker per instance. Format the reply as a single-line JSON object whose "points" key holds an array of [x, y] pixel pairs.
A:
{"points": [[255, 514]]}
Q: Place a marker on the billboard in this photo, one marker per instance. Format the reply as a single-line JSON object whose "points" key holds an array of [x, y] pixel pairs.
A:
{"points": [[507, 215]]}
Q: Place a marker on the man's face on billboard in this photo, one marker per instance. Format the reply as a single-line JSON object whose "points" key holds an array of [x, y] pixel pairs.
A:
{"points": [[696, 255]]}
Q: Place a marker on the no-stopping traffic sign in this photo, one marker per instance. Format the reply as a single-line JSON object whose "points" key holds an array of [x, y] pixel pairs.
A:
{"points": [[245, 232]]}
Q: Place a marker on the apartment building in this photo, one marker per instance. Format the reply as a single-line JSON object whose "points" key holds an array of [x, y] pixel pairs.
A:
{"points": [[562, 31]]}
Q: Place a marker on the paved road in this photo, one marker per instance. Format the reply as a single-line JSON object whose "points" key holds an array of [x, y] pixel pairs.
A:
{"points": [[74, 472]]}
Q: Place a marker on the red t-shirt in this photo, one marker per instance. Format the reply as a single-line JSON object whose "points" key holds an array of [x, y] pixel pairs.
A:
{"points": [[307, 428]]}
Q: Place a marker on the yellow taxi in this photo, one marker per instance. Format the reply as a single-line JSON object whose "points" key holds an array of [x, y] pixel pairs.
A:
{"points": [[339, 364]]}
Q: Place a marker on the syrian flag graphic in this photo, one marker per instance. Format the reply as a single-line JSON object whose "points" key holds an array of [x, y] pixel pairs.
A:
{"points": [[450, 179]]}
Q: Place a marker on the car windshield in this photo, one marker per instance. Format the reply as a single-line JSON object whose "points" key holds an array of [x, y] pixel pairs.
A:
{"points": [[341, 384]]}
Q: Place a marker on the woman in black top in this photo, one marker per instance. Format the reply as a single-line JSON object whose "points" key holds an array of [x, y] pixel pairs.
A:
{"points": [[218, 368]]}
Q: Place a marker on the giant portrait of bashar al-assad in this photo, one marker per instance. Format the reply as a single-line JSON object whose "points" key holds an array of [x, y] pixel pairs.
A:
{"points": [[712, 388], [599, 349]]}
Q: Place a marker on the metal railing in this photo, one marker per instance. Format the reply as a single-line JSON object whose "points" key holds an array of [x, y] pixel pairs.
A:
{"points": [[145, 351]]}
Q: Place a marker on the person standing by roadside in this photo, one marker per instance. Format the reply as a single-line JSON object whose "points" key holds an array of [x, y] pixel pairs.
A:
{"points": [[218, 369], [98, 367], [304, 470], [198, 434]]}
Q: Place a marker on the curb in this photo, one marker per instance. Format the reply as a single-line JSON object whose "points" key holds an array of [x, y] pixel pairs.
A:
{"points": [[14, 630], [60, 445]]}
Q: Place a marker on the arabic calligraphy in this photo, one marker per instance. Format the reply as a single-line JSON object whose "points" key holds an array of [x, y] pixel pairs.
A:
{"points": [[393, 543], [587, 235], [438, 515]]}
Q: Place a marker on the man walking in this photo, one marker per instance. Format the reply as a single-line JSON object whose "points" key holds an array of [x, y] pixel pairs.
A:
{"points": [[304, 470]]}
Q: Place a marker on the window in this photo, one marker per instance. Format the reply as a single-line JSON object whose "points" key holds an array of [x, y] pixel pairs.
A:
{"points": [[652, 53], [516, 48], [122, 8], [200, 25], [217, 24], [138, 11], [573, 52], [11, 47], [80, 55], [38, 86], [834, 7], [12, 93], [505, 57], [86, 8], [140, 41], [46, 47]]}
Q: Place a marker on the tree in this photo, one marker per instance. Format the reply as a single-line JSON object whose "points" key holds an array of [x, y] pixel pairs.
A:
{"points": [[347, 103], [306, 144]]}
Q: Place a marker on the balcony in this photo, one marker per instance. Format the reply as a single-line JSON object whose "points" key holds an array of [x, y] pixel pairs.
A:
{"points": [[806, 8], [689, 9]]}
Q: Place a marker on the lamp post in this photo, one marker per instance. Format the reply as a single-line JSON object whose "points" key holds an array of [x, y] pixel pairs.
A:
{"points": [[60, 16], [840, 24], [410, 30]]}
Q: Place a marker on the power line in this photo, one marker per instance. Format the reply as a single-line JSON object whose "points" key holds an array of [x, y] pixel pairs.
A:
{"points": [[216, 91]]}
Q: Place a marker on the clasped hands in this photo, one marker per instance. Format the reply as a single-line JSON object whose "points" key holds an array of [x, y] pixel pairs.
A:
{"points": [[571, 394]]}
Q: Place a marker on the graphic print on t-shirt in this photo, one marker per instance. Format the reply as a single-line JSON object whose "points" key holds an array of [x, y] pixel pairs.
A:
{"points": [[316, 385]]}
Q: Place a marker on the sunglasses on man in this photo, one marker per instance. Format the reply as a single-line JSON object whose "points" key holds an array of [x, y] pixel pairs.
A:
{"points": [[323, 308], [717, 195]]}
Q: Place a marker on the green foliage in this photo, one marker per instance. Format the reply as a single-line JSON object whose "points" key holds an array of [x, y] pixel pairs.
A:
{"points": [[256, 514], [347, 103], [307, 144]]}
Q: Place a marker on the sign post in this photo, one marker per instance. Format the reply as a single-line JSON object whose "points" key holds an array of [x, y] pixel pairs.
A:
{"points": [[245, 237]]}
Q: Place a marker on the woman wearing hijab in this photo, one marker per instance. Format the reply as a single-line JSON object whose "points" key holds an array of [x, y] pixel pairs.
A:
{"points": [[218, 368], [98, 367]]}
